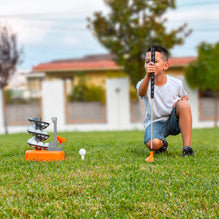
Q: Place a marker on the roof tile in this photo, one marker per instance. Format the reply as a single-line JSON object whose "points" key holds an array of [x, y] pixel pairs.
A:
{"points": [[94, 62]]}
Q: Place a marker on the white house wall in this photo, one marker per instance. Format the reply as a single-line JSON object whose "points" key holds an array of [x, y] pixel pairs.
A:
{"points": [[117, 108], [53, 102], [117, 103]]}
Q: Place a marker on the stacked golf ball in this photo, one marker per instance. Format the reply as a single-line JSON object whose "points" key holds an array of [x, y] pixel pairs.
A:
{"points": [[39, 135]]}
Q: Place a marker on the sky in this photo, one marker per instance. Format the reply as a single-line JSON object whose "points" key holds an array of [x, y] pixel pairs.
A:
{"points": [[50, 30]]}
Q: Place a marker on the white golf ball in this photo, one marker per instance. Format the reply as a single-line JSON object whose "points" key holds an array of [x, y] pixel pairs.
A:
{"points": [[31, 129], [40, 143], [34, 142], [82, 151], [46, 144], [38, 131], [31, 140]]}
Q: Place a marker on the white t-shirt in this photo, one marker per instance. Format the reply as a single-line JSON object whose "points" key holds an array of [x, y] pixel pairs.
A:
{"points": [[164, 98]]}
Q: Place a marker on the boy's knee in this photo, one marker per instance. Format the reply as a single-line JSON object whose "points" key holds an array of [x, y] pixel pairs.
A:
{"points": [[157, 144], [183, 104]]}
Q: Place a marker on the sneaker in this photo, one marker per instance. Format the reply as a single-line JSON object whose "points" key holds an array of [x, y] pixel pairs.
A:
{"points": [[187, 151], [163, 149]]}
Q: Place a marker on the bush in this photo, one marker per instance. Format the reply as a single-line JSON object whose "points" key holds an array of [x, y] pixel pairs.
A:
{"points": [[85, 93], [8, 96], [133, 94]]}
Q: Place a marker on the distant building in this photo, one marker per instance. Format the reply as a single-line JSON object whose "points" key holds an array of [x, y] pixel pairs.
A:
{"points": [[24, 84], [18, 84], [96, 68]]}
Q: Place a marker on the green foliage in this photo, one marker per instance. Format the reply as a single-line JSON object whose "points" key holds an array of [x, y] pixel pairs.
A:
{"points": [[8, 96], [133, 94], [131, 27], [113, 181], [9, 54], [83, 92], [204, 72]]}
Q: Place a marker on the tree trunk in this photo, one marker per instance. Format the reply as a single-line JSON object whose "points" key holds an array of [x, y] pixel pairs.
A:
{"points": [[5, 112]]}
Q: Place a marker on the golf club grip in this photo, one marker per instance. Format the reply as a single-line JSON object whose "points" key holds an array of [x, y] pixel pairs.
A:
{"points": [[152, 74], [152, 85]]}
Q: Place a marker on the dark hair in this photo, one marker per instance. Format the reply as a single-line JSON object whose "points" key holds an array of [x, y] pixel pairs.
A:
{"points": [[160, 49]]}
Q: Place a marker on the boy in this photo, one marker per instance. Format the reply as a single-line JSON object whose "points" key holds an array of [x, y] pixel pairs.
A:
{"points": [[172, 112]]}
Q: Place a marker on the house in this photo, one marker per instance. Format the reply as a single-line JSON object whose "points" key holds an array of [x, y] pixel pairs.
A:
{"points": [[92, 70], [25, 84], [95, 69], [102, 71], [18, 84]]}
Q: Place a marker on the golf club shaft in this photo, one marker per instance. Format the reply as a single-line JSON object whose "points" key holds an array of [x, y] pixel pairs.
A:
{"points": [[152, 104], [152, 94]]}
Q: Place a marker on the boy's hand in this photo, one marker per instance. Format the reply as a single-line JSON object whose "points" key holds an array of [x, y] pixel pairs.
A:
{"points": [[150, 68]]}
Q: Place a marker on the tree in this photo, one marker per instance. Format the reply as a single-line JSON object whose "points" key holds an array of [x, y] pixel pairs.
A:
{"points": [[204, 72], [131, 27], [9, 58]]}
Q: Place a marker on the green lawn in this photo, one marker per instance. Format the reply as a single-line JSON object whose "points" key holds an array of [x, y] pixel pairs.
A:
{"points": [[113, 181]]}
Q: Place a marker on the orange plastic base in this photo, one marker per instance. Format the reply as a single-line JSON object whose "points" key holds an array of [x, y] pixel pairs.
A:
{"points": [[150, 158], [42, 155]]}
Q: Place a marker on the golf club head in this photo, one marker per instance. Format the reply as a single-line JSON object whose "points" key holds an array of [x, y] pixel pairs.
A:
{"points": [[150, 158]]}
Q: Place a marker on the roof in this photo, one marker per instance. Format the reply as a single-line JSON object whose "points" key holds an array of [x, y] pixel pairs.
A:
{"points": [[96, 62], [181, 61], [91, 62]]}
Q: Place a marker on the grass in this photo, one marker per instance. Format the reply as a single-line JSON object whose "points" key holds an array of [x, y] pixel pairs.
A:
{"points": [[113, 181]]}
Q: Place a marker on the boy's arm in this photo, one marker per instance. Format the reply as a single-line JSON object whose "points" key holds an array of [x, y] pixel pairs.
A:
{"points": [[142, 90]]}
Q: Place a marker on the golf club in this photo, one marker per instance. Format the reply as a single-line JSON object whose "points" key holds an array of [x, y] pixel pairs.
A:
{"points": [[151, 157]]}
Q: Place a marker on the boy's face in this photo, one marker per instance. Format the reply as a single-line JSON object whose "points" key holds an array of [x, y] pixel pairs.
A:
{"points": [[160, 64]]}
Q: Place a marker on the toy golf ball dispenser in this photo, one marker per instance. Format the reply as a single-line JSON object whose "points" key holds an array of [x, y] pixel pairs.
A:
{"points": [[44, 151]]}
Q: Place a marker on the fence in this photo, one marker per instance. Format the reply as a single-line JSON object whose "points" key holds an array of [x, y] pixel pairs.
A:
{"points": [[118, 113], [114, 114]]}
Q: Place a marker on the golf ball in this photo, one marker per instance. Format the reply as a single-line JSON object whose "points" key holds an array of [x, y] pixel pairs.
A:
{"points": [[82, 151]]}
